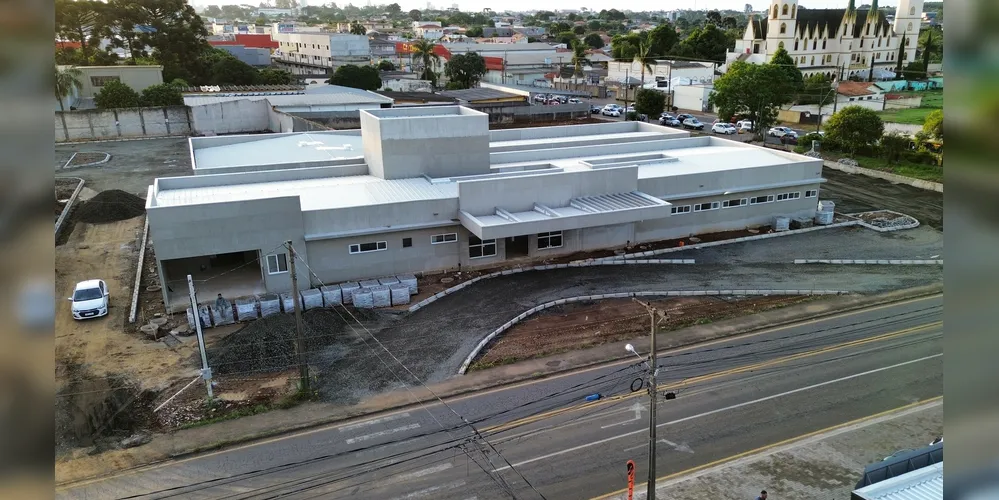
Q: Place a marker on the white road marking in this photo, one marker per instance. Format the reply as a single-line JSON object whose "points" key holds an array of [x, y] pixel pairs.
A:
{"points": [[425, 472], [637, 408], [382, 433], [424, 492], [719, 410], [682, 447], [366, 423]]}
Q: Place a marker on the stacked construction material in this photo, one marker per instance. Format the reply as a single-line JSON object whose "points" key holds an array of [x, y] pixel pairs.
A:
{"points": [[824, 216], [348, 289], [312, 299], [368, 283], [389, 280], [782, 223], [410, 281], [362, 298], [400, 294], [221, 311], [288, 302], [332, 295], [246, 308], [381, 296], [800, 222], [270, 304], [203, 313]]}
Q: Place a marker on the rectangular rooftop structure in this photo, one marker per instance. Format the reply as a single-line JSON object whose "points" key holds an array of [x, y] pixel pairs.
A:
{"points": [[432, 188]]}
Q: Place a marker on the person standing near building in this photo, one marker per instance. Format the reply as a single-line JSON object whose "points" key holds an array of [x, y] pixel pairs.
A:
{"points": [[763, 495]]}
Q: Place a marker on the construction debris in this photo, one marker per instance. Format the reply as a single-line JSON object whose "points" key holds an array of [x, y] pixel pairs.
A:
{"points": [[110, 206]]}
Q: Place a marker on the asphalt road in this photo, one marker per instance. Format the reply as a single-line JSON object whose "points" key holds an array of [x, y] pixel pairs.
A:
{"points": [[733, 395]]}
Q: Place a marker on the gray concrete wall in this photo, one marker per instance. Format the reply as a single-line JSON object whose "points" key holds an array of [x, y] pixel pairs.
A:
{"points": [[731, 180], [518, 194], [99, 124], [440, 141], [529, 114], [231, 117], [264, 225], [374, 217]]}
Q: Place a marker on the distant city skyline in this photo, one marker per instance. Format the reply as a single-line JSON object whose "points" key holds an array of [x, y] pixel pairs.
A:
{"points": [[523, 5]]}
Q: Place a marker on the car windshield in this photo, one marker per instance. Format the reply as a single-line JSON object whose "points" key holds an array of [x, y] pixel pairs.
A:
{"points": [[87, 294]]}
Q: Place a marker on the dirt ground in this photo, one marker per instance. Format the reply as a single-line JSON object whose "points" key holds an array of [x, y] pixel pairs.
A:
{"points": [[589, 324], [858, 193]]}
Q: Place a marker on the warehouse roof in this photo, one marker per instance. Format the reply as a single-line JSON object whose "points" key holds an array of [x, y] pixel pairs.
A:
{"points": [[316, 95], [283, 148], [479, 94], [925, 483]]}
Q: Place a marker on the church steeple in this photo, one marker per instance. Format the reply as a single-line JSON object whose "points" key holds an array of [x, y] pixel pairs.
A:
{"points": [[874, 5], [852, 6]]}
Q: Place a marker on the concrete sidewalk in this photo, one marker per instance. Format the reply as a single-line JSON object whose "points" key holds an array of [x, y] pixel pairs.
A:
{"points": [[823, 465]]}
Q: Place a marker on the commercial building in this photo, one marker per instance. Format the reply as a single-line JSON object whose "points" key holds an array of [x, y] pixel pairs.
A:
{"points": [[314, 53], [432, 188]]}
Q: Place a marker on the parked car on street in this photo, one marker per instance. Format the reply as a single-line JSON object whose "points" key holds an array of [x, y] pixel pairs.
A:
{"points": [[669, 121], [575, 101], [693, 123], [744, 125], [594, 109], [683, 117], [723, 128], [90, 299], [611, 112], [781, 132]]}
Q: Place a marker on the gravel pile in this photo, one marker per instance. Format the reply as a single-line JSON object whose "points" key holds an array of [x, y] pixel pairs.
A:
{"points": [[268, 344], [110, 206], [848, 161], [886, 219]]}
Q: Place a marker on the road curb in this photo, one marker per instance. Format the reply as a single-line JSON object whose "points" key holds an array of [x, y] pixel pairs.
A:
{"points": [[69, 205], [350, 414], [898, 179], [874, 262]]}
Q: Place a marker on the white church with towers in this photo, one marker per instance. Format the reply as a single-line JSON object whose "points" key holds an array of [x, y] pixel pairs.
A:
{"points": [[838, 43]]}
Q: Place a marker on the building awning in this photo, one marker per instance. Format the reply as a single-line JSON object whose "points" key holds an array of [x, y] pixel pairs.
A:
{"points": [[588, 211]]}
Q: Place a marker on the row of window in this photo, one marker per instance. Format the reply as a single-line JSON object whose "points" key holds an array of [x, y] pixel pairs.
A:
{"points": [[476, 247], [741, 202]]}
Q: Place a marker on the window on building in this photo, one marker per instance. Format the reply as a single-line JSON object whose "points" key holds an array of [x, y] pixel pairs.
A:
{"points": [[795, 44], [867, 31], [737, 202], [813, 60], [912, 11], [811, 193], [815, 44], [437, 239], [909, 28], [374, 246], [783, 28], [879, 42], [823, 45], [780, 45], [853, 99], [783, 10], [277, 263], [550, 240], [861, 43], [794, 10], [702, 207], [905, 56], [775, 12], [756, 46], [789, 196], [756, 200], [682, 209], [480, 248], [407, 242], [100, 81]]}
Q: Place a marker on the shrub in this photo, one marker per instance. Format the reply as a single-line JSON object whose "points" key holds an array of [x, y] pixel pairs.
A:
{"points": [[164, 94], [921, 157], [116, 95]]}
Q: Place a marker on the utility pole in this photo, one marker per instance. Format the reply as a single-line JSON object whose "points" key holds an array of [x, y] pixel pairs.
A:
{"points": [[303, 367], [627, 77], [654, 315], [206, 372]]}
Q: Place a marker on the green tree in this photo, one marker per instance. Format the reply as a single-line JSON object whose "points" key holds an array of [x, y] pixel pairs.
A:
{"points": [[271, 76], [474, 31], [625, 46], [415, 15], [714, 17], [933, 126], [66, 82], [465, 70], [892, 146], [393, 9], [930, 43], [115, 94], [579, 58], [386, 65], [729, 23], [594, 25], [232, 71], [79, 21], [816, 89], [357, 28], [578, 30], [122, 17], [423, 51], [164, 94], [566, 37], [783, 60], [643, 59], [854, 127], [650, 102], [900, 57], [594, 41], [662, 39], [708, 43], [755, 91], [358, 77]]}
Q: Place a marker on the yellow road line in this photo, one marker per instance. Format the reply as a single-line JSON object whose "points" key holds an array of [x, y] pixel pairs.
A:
{"points": [[143, 468], [772, 445], [711, 376]]}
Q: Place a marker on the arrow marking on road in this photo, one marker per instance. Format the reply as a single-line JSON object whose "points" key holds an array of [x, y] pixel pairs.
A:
{"points": [[382, 433], [682, 447], [638, 407]]}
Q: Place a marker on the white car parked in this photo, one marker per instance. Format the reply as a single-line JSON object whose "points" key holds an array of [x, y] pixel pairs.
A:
{"points": [[781, 132], [90, 299], [744, 125], [723, 128]]}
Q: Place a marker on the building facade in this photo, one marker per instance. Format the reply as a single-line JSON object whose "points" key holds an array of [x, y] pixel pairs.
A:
{"points": [[837, 43], [312, 53], [93, 79], [432, 188]]}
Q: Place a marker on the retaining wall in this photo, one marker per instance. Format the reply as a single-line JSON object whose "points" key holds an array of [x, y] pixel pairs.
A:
{"points": [[103, 124], [898, 179]]}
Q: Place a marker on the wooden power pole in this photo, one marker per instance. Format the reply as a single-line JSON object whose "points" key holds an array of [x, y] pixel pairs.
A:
{"points": [[303, 366]]}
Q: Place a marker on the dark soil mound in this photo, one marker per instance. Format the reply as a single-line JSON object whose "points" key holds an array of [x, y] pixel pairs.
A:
{"points": [[110, 206]]}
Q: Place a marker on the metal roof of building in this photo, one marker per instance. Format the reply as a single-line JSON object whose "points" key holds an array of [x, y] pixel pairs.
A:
{"points": [[479, 94], [921, 484], [315, 95], [285, 148]]}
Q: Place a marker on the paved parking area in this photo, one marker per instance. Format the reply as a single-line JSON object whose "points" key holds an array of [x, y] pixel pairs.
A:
{"points": [[133, 164]]}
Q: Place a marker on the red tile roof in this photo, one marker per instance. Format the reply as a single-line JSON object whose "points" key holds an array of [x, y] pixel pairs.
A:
{"points": [[855, 88]]}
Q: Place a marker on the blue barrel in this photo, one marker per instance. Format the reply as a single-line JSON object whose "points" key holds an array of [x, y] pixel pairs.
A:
{"points": [[593, 397]]}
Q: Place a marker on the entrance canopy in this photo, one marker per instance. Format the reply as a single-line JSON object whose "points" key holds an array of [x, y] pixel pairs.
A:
{"points": [[582, 212]]}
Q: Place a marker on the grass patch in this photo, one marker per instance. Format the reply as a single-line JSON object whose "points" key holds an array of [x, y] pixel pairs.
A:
{"points": [[286, 402], [932, 100], [925, 172]]}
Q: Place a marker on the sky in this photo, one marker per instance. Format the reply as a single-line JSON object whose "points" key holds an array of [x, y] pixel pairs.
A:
{"points": [[636, 5]]}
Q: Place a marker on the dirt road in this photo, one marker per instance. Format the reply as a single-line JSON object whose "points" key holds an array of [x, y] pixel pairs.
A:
{"points": [[859, 193]]}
